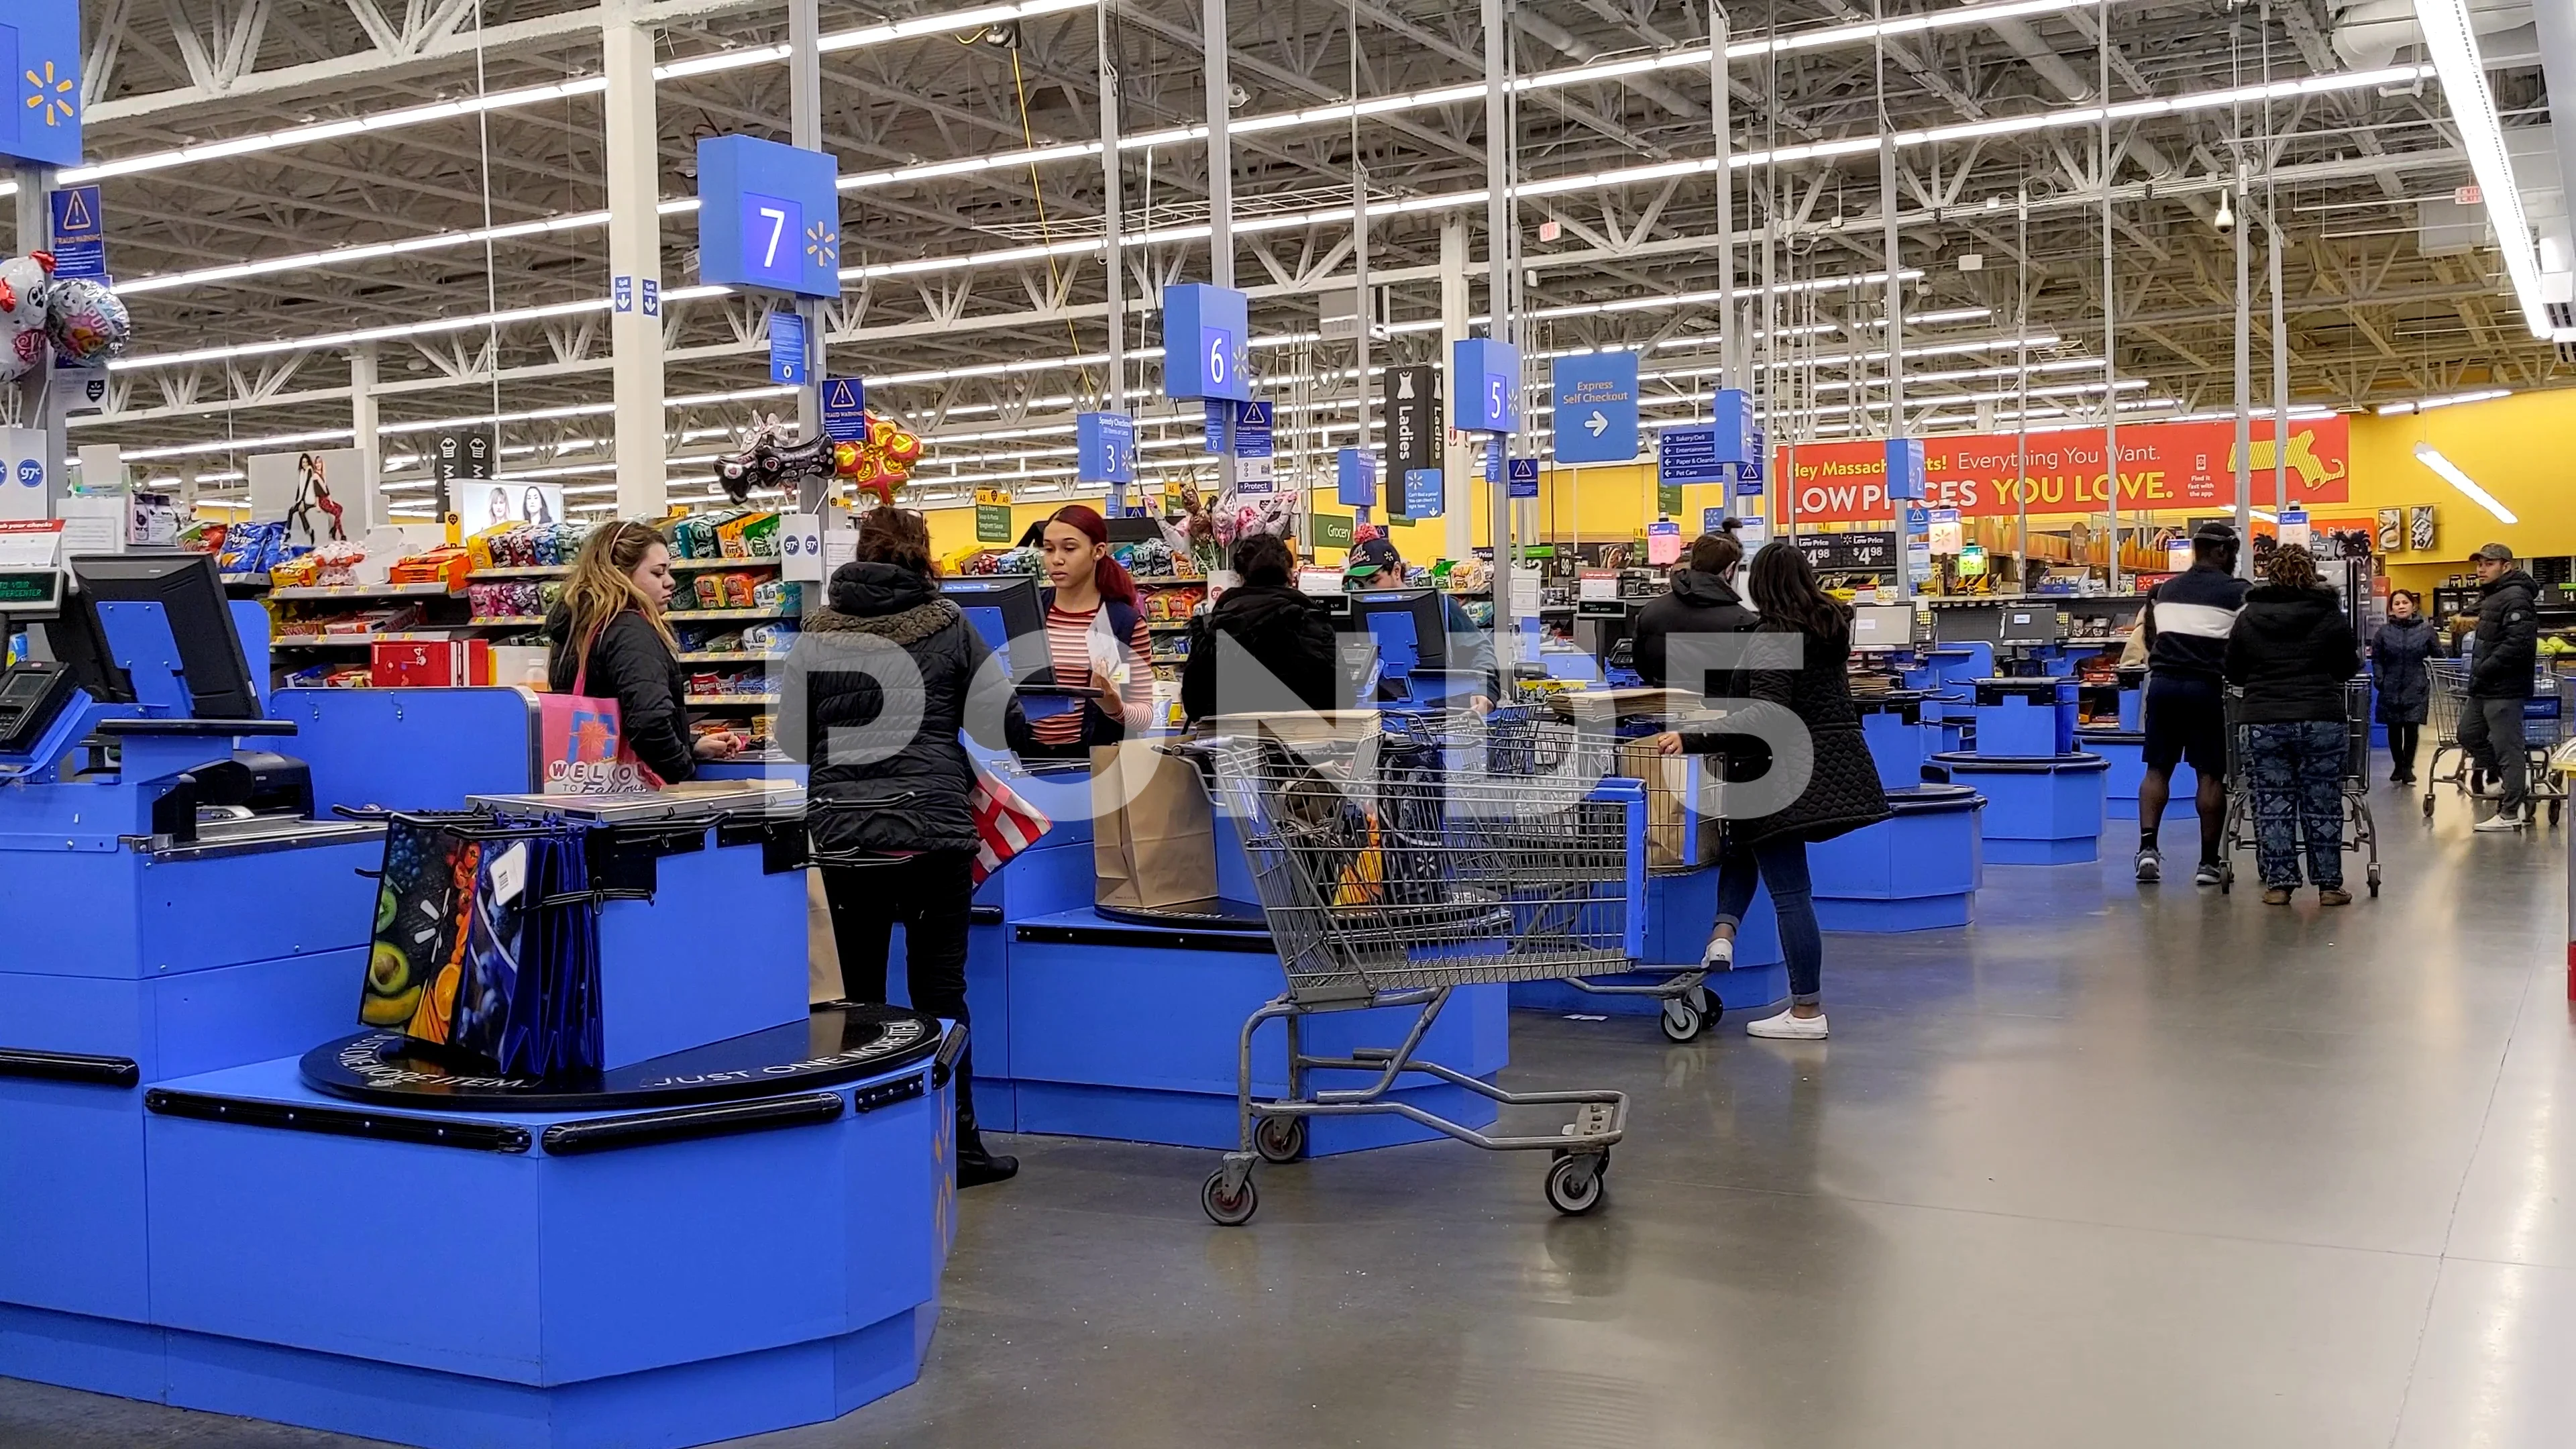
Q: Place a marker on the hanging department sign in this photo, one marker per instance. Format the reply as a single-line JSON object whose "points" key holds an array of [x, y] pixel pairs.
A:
{"points": [[1413, 430], [2162, 466], [40, 65]]}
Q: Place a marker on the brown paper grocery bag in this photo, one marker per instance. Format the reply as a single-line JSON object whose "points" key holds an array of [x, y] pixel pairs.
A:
{"points": [[1678, 837], [1153, 833], [822, 952]]}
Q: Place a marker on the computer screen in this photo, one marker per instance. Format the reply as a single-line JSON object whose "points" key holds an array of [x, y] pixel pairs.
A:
{"points": [[1882, 626], [1966, 623], [1004, 608], [166, 622], [75, 639], [2029, 623], [1408, 626]]}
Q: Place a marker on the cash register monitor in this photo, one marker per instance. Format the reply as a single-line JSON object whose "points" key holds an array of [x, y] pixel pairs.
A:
{"points": [[1003, 608], [75, 639], [1411, 631], [191, 627], [2030, 623], [1882, 626]]}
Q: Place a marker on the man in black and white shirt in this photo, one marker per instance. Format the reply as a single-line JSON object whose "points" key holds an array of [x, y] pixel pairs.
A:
{"points": [[2187, 620]]}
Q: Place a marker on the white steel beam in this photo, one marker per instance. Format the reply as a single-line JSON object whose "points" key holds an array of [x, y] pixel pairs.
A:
{"points": [[635, 252]]}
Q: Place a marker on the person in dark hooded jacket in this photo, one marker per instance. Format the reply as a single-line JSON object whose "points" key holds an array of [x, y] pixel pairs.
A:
{"points": [[1287, 634], [2292, 652], [1703, 601], [876, 689], [2502, 660], [2397, 655]]}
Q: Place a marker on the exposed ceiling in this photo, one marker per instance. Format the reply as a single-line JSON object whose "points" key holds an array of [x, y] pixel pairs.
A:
{"points": [[2373, 311]]}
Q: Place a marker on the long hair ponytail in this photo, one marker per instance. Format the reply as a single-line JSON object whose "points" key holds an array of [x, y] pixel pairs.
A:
{"points": [[602, 585], [1109, 575]]}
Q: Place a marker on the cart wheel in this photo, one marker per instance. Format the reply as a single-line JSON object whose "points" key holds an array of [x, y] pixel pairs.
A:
{"points": [[1574, 1185], [1229, 1211], [1600, 1167], [2428, 804], [1681, 1020], [1280, 1139]]}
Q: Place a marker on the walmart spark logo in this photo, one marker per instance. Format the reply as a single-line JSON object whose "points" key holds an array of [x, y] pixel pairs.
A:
{"points": [[823, 244], [50, 95]]}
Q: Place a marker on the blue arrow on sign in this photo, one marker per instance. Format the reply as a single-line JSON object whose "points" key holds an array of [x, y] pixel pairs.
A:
{"points": [[845, 410], [1687, 456], [1596, 408]]}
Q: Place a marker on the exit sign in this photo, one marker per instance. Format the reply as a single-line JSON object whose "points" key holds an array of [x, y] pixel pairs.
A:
{"points": [[2468, 196]]}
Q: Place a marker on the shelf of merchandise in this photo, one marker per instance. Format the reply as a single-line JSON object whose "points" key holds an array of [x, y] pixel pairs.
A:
{"points": [[728, 656], [710, 616], [516, 571], [360, 591], [687, 565], [733, 701], [350, 641], [246, 581], [1167, 626], [508, 621], [1163, 580]]}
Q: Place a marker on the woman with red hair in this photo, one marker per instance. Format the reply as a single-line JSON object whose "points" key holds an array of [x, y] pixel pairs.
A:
{"points": [[1096, 637]]}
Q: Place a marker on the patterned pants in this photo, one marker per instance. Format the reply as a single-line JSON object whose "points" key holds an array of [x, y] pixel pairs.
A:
{"points": [[2295, 774]]}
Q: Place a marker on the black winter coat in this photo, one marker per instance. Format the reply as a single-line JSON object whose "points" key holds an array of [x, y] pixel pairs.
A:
{"points": [[1285, 632], [2397, 655], [1699, 604], [630, 662], [2292, 652], [877, 688], [1843, 792], [2508, 647]]}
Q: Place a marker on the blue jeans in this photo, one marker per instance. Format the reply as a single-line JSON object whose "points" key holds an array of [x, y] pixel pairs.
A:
{"points": [[2295, 774], [1781, 864]]}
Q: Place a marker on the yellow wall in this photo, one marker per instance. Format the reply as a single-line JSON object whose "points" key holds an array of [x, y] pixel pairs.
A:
{"points": [[2517, 448]]}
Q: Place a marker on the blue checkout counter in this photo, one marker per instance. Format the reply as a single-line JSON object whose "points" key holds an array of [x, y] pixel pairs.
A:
{"points": [[221, 1193], [2044, 797]]}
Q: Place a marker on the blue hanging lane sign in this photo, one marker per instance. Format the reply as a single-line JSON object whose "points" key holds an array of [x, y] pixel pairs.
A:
{"points": [[1104, 448], [80, 234], [845, 410], [1596, 408], [1905, 468], [1485, 386], [1422, 493], [40, 68], [1356, 477], [1253, 437], [1687, 456], [1749, 475], [1524, 477], [769, 216], [1736, 435], [1205, 331], [787, 365]]}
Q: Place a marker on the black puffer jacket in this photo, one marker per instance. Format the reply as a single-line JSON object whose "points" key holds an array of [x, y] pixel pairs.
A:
{"points": [[1843, 792], [1285, 632], [629, 662], [877, 688], [1699, 604], [2397, 655], [2508, 647], [2291, 651]]}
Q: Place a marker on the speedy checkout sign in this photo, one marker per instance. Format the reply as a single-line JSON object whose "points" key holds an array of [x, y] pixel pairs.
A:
{"points": [[2162, 465]]}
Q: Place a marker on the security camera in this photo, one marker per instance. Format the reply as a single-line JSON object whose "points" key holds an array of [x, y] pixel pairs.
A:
{"points": [[2225, 220], [1236, 98]]}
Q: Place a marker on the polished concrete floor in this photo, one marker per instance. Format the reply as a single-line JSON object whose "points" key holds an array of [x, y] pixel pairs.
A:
{"points": [[2114, 1167]]}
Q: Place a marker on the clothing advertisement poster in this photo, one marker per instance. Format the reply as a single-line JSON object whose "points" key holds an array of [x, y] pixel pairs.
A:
{"points": [[1154, 843]]}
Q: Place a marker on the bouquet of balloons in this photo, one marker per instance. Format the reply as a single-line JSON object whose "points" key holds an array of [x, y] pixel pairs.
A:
{"points": [[81, 320], [771, 459]]}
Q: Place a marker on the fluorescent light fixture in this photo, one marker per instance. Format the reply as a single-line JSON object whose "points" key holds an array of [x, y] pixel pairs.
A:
{"points": [[2426, 405], [2431, 457], [2449, 40]]}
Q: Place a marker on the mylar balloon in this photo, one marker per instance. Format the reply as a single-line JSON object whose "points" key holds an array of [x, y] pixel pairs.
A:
{"points": [[86, 322]]}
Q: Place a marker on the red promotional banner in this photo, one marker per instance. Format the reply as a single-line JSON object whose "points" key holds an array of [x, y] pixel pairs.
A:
{"points": [[2162, 466]]}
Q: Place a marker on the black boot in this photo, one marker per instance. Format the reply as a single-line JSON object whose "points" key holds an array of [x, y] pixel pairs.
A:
{"points": [[976, 1164]]}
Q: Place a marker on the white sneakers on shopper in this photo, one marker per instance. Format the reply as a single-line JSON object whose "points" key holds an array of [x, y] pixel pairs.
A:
{"points": [[1788, 1026], [2503, 822], [1718, 954]]}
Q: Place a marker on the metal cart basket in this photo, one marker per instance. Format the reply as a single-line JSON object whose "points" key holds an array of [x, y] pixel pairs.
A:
{"points": [[2360, 829], [1396, 867], [2546, 720]]}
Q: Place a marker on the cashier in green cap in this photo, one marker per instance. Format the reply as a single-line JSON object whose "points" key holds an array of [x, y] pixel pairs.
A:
{"points": [[1374, 562]]}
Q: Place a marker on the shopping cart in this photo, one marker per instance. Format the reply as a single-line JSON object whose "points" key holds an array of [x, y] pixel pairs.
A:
{"points": [[2360, 828], [1397, 867], [2546, 720]]}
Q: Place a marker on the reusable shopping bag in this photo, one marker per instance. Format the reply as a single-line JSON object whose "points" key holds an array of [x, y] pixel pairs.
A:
{"points": [[586, 750], [1154, 834], [1005, 824]]}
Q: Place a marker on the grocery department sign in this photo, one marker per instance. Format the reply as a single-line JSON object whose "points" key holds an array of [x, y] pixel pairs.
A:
{"points": [[40, 80], [2162, 465]]}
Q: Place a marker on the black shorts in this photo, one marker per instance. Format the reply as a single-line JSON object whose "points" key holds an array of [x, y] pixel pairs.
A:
{"points": [[2186, 720]]}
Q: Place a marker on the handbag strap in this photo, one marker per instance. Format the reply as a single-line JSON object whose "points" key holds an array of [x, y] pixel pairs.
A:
{"points": [[581, 667]]}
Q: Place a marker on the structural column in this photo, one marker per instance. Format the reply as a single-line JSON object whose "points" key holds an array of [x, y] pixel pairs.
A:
{"points": [[635, 261], [35, 231], [373, 506], [1460, 465]]}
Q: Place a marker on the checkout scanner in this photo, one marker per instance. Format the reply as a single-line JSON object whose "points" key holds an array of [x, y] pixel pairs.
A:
{"points": [[1009, 613], [1407, 633], [145, 693]]}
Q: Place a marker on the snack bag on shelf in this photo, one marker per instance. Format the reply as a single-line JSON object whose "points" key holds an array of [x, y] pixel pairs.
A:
{"points": [[296, 573], [760, 536], [738, 591], [710, 591]]}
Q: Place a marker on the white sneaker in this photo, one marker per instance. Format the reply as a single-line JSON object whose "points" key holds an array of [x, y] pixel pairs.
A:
{"points": [[1718, 955], [2503, 822], [1788, 1026]]}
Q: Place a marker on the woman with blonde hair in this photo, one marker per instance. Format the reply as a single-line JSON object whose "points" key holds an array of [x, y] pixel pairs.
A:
{"points": [[607, 637]]}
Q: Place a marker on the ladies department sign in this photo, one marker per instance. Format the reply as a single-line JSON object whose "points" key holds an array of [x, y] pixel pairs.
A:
{"points": [[2162, 465]]}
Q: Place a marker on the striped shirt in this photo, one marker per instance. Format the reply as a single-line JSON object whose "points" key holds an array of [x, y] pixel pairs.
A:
{"points": [[1069, 651], [2188, 620]]}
